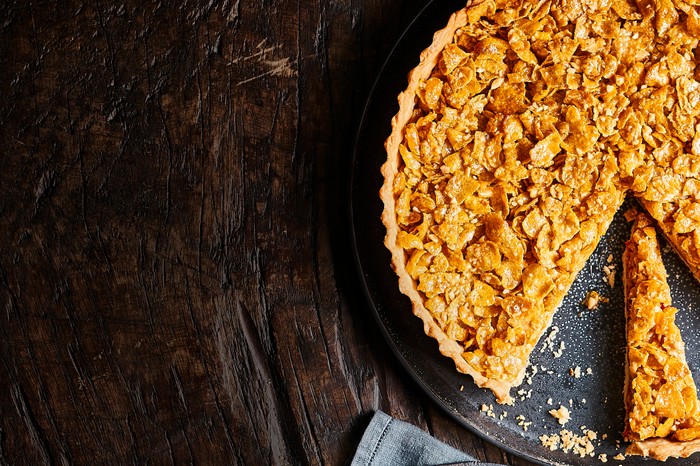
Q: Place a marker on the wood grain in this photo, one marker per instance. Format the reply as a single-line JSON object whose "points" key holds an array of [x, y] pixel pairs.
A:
{"points": [[174, 273]]}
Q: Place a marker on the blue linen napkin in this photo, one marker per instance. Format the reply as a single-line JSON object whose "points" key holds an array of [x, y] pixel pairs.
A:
{"points": [[390, 442]]}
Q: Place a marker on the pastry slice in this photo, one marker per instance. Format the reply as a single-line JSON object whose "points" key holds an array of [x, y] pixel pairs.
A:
{"points": [[663, 412]]}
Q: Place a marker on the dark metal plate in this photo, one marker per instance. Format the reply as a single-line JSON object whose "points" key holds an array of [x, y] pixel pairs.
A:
{"points": [[593, 339]]}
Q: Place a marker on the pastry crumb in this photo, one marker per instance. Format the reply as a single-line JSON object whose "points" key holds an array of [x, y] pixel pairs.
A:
{"points": [[562, 415], [610, 271], [488, 410], [549, 340], [550, 441], [593, 300], [523, 422], [560, 351], [524, 394], [528, 377], [619, 457], [567, 441], [603, 458]]}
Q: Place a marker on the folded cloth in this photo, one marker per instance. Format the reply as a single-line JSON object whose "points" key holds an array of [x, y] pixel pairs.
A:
{"points": [[390, 442]]}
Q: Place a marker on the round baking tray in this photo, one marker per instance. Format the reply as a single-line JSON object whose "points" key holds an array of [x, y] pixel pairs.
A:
{"points": [[585, 339]]}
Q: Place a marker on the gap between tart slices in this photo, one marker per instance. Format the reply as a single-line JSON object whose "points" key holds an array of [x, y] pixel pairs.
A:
{"points": [[662, 409]]}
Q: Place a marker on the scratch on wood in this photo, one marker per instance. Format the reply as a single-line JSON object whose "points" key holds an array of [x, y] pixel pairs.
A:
{"points": [[25, 413], [262, 52], [282, 67], [234, 14], [178, 386], [44, 189]]}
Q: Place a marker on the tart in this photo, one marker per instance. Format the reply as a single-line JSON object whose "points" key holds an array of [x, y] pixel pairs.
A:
{"points": [[520, 132], [663, 412]]}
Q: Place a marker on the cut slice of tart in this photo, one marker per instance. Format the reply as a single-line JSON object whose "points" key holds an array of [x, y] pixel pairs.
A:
{"points": [[663, 412]]}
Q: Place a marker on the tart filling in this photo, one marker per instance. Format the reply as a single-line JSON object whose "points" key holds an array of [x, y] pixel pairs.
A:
{"points": [[663, 412]]}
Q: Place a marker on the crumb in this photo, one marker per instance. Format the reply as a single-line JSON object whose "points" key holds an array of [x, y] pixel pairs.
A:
{"points": [[562, 415], [549, 340], [619, 457], [560, 351], [503, 415], [461, 389], [488, 410], [610, 258], [593, 299], [583, 401], [575, 372], [522, 422], [549, 401], [568, 441], [603, 458], [528, 377], [550, 441], [609, 271], [589, 371]]}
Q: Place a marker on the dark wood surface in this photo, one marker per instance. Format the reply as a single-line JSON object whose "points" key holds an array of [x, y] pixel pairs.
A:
{"points": [[175, 279]]}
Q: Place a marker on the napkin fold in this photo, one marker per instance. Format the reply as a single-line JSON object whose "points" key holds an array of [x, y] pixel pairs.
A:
{"points": [[390, 442]]}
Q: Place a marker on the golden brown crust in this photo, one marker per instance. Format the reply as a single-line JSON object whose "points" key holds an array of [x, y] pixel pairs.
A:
{"points": [[662, 449]]}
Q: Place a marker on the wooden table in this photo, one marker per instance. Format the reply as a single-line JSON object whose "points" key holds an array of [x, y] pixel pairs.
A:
{"points": [[175, 279]]}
